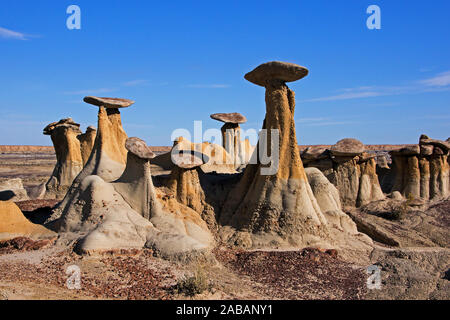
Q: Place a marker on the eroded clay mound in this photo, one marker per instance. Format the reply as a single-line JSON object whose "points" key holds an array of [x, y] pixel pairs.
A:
{"points": [[13, 224], [12, 190]]}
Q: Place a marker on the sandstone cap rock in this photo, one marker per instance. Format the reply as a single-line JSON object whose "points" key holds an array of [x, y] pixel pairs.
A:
{"points": [[315, 153], [347, 147], [189, 159], [276, 70], [139, 148], [112, 103], [412, 150], [426, 150], [233, 117], [91, 128], [444, 145], [67, 122]]}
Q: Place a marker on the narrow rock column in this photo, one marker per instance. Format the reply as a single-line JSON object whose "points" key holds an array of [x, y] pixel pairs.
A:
{"points": [[69, 161], [278, 208], [136, 185], [87, 141], [231, 136]]}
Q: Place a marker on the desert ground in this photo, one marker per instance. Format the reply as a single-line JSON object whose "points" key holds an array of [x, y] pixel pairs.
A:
{"points": [[412, 253]]}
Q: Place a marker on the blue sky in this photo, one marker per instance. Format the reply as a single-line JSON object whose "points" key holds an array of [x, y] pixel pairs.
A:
{"points": [[183, 60]]}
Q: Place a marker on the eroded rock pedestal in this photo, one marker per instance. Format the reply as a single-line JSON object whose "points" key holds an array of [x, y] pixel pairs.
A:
{"points": [[350, 169], [277, 209], [69, 161], [422, 171], [240, 150]]}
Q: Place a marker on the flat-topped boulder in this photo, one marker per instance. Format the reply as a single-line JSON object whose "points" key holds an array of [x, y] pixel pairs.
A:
{"points": [[139, 148], [67, 123], [315, 153], [347, 147], [233, 117], [276, 70], [411, 150], [112, 103]]}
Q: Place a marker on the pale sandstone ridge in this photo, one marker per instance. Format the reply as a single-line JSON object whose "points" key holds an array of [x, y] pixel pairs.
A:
{"points": [[239, 150], [422, 171], [13, 224], [69, 161], [349, 168], [278, 209]]}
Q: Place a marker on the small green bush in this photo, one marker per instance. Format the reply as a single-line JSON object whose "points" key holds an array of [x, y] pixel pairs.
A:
{"points": [[196, 284]]}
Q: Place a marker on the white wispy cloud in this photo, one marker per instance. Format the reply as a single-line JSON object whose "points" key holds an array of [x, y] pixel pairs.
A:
{"points": [[210, 86], [441, 80], [90, 91], [11, 34]]}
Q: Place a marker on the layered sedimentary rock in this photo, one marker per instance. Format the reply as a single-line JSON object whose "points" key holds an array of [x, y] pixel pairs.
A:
{"points": [[239, 150], [349, 168], [278, 208], [87, 141], [13, 224], [69, 161], [422, 171]]}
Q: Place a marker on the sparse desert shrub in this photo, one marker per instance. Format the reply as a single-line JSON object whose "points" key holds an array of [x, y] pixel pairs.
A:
{"points": [[400, 212], [195, 284]]}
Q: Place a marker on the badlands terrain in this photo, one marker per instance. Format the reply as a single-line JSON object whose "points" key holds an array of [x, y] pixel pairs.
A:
{"points": [[209, 221]]}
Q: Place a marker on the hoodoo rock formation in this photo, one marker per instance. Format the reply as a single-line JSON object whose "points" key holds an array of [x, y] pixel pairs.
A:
{"points": [[136, 185], [239, 150], [186, 185], [128, 212], [13, 224], [349, 168], [87, 141], [276, 209], [69, 161], [422, 171], [107, 159]]}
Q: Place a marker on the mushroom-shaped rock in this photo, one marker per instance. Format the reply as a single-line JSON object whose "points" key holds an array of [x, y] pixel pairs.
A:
{"points": [[69, 161], [109, 103], [239, 150], [87, 141], [108, 156], [276, 71], [216, 158], [136, 185], [13, 224], [234, 117], [273, 203], [347, 147], [444, 145], [185, 184]]}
